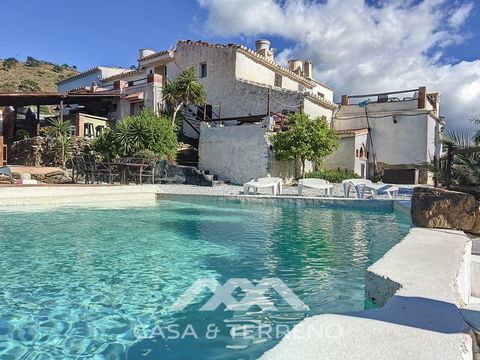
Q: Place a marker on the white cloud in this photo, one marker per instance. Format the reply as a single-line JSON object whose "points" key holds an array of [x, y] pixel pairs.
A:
{"points": [[360, 48]]}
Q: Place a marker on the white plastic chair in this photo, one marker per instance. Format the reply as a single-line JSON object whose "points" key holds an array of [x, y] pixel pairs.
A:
{"points": [[360, 185]]}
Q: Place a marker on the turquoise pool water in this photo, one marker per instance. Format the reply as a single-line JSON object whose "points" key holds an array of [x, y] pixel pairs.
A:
{"points": [[100, 283]]}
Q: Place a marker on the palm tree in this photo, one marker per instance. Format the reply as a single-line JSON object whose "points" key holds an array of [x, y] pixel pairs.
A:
{"points": [[466, 167], [185, 90]]}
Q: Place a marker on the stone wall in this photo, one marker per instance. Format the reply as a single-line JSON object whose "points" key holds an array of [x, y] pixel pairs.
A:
{"points": [[241, 153], [40, 151]]}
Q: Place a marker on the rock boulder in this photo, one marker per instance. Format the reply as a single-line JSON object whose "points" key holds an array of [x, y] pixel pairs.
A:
{"points": [[438, 208]]}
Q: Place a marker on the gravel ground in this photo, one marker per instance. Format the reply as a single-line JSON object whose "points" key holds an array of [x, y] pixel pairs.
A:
{"points": [[225, 189]]}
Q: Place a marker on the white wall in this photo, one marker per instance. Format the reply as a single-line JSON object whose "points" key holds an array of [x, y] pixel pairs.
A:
{"points": [[236, 154], [411, 140], [344, 156], [220, 79], [327, 93], [315, 110], [241, 153], [84, 80]]}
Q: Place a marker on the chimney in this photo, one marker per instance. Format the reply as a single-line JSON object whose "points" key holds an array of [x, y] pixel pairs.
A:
{"points": [[119, 85], [344, 99], [295, 66], [308, 69], [145, 52], [422, 97], [93, 87], [262, 47]]}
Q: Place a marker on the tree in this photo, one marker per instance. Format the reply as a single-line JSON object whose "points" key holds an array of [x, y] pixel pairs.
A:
{"points": [[32, 62], [59, 130], [306, 139], [185, 90], [9, 63], [145, 131]]}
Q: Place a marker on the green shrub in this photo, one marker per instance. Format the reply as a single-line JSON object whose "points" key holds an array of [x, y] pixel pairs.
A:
{"points": [[148, 154], [28, 85], [333, 175], [146, 131], [9, 63], [104, 145], [21, 134], [8, 87], [32, 62]]}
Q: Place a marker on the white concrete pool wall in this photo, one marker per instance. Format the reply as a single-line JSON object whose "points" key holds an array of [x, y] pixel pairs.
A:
{"points": [[71, 194]]}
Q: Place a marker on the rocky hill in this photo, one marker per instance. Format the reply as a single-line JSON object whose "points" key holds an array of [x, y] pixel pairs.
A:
{"points": [[32, 75]]}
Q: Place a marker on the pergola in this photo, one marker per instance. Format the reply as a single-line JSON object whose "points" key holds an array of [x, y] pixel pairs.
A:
{"points": [[17, 100]]}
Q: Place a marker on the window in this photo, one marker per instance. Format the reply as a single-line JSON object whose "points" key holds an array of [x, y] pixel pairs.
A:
{"points": [[203, 70], [278, 80], [320, 94], [98, 130]]}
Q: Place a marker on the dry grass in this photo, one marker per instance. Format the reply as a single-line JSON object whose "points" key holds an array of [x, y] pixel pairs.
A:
{"points": [[44, 76]]}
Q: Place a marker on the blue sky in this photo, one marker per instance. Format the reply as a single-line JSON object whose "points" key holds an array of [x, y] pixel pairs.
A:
{"points": [[355, 46], [99, 32], [109, 32]]}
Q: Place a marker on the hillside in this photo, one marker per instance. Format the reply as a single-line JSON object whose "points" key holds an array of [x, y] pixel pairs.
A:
{"points": [[31, 75]]}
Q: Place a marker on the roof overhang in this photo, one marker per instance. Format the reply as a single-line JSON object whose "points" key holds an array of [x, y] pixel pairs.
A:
{"points": [[51, 98]]}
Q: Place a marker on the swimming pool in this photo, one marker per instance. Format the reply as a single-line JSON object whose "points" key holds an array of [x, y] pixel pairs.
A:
{"points": [[102, 283]]}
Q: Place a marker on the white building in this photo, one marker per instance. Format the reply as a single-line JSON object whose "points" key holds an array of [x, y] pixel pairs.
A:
{"points": [[236, 80], [87, 77], [239, 83], [243, 86], [396, 130]]}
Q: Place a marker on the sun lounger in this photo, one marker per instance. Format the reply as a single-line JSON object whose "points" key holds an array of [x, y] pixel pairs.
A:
{"points": [[375, 189], [274, 183], [363, 185], [317, 184]]}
